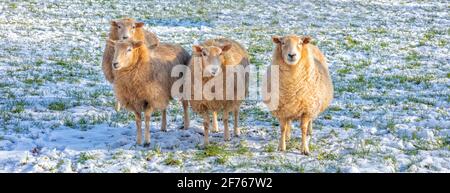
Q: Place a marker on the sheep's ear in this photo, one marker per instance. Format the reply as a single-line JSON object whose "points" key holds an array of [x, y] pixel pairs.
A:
{"points": [[276, 39], [139, 24], [306, 39], [225, 47], [137, 44], [111, 42], [114, 23], [197, 49]]}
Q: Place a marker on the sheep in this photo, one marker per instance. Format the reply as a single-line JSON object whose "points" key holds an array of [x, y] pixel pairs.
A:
{"points": [[142, 81], [305, 86], [211, 58], [123, 29]]}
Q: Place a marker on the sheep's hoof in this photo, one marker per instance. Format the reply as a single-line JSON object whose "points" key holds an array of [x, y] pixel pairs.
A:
{"points": [[163, 129], [305, 151], [215, 131], [282, 149], [147, 144]]}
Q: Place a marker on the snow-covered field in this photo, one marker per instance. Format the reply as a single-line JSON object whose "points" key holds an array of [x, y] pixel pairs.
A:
{"points": [[389, 61]]}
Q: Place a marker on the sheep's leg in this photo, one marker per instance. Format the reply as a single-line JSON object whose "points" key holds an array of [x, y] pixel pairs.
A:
{"points": [[310, 128], [117, 106], [288, 130], [305, 122], [186, 114], [148, 115], [282, 144], [237, 130], [206, 128], [225, 125], [138, 127], [215, 124], [164, 120]]}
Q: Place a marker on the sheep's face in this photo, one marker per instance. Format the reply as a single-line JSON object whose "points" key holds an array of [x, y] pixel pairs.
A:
{"points": [[291, 47], [125, 27], [211, 58], [124, 54]]}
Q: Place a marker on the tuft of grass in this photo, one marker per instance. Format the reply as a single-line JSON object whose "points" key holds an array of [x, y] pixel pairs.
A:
{"points": [[219, 152], [269, 148], [222, 159], [427, 36], [344, 71], [68, 122], [83, 157], [347, 126], [13, 5], [350, 42], [412, 56], [211, 150], [442, 43], [243, 149], [57, 106], [18, 107], [390, 126], [34, 80], [172, 161], [322, 156]]}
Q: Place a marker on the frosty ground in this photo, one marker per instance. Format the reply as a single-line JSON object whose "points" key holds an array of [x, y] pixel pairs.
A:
{"points": [[389, 62]]}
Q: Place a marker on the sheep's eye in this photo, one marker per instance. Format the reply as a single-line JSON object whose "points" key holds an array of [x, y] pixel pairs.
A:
{"points": [[204, 53], [118, 26], [129, 50], [134, 26], [282, 43]]}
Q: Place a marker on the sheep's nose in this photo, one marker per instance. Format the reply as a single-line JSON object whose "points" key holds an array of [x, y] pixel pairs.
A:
{"points": [[115, 64], [125, 37], [214, 70], [291, 55]]}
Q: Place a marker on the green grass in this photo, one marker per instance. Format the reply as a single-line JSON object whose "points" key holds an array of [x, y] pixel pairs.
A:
{"points": [[34, 80], [68, 122], [427, 36], [350, 42], [442, 43], [57, 106], [13, 5], [412, 56], [172, 161], [327, 156], [390, 126], [419, 79], [344, 71], [347, 126], [211, 150], [377, 30], [270, 148], [18, 107], [242, 149], [83, 157], [222, 155]]}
